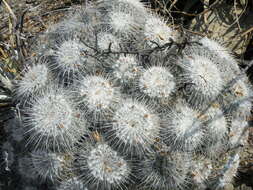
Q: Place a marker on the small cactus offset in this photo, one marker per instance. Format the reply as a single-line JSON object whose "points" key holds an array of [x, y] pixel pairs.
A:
{"points": [[116, 98]]}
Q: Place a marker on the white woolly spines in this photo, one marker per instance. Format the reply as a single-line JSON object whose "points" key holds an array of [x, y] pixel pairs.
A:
{"points": [[229, 171], [238, 99], [223, 53], [121, 22], [65, 27], [201, 169], [137, 5], [79, 22], [134, 3], [203, 79], [216, 47], [102, 168], [123, 17], [157, 82], [33, 81], [216, 125], [126, 69], [98, 94], [42, 166], [114, 170], [107, 41], [215, 150], [135, 126], [70, 57], [46, 165], [165, 172], [52, 121], [72, 184], [156, 31], [227, 64], [182, 129], [237, 133]]}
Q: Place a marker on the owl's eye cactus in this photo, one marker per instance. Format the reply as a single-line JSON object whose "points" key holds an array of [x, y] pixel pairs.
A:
{"points": [[202, 78], [201, 169], [236, 137], [126, 69], [102, 167], [98, 95], [33, 82], [157, 82], [134, 127], [70, 57], [238, 99], [215, 126], [107, 40], [52, 121], [136, 103], [156, 30], [182, 128], [121, 22], [219, 50], [137, 4], [124, 17]]}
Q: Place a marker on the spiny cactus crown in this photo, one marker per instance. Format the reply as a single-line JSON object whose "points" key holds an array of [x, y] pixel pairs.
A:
{"points": [[118, 98]]}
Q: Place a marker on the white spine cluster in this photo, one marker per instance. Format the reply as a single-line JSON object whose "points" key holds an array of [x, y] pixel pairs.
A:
{"points": [[107, 40], [226, 63], [70, 57], [202, 79], [102, 168], [134, 3], [157, 82], [52, 121], [201, 170], [66, 26], [217, 48], [121, 22], [124, 17], [182, 129], [98, 94], [238, 99], [237, 132], [216, 125], [134, 127], [126, 69], [157, 31], [34, 81]]}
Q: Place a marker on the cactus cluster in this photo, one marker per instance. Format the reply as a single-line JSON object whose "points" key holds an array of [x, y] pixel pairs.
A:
{"points": [[117, 98]]}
